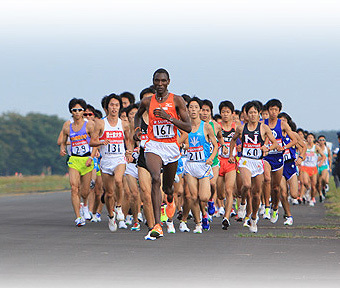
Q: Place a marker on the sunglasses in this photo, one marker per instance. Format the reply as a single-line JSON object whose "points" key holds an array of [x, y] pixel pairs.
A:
{"points": [[88, 114], [77, 109]]}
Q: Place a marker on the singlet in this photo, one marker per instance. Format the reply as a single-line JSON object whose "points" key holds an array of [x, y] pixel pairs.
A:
{"points": [[227, 136], [80, 142], [144, 131], [277, 132], [162, 130], [311, 158], [199, 147], [115, 135], [325, 151], [290, 153], [252, 142]]}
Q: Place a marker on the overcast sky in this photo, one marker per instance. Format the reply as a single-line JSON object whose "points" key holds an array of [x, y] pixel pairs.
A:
{"points": [[52, 51]]}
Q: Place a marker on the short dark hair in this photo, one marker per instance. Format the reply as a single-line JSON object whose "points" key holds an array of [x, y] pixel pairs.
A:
{"points": [[260, 104], [128, 95], [217, 116], [74, 101], [186, 97], [130, 107], [113, 96], [265, 107], [292, 125], [196, 99], [227, 104], [209, 104], [103, 102], [286, 116], [98, 114], [244, 106], [321, 136], [254, 104], [300, 130], [237, 112], [150, 89], [161, 70], [274, 102], [310, 133], [90, 107]]}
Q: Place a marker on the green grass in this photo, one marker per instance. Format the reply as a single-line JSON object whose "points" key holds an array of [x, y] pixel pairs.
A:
{"points": [[27, 184], [333, 200]]}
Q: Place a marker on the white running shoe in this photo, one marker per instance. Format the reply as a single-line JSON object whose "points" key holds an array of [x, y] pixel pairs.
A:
{"points": [[171, 227], [112, 223], [311, 203], [241, 211], [221, 211], [80, 221], [262, 209], [128, 219], [246, 222], [96, 218], [198, 229], [122, 225], [86, 213], [266, 214], [253, 226], [275, 216], [295, 201], [120, 215], [289, 221], [140, 217], [149, 237], [183, 227]]}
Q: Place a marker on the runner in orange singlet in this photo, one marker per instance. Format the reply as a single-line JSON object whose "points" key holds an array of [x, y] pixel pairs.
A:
{"points": [[167, 112]]}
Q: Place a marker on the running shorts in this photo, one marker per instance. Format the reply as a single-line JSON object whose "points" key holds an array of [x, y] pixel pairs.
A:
{"points": [[79, 163], [275, 161], [169, 152], [321, 168], [198, 170], [255, 166], [289, 169], [109, 165], [141, 159], [131, 169], [226, 167], [309, 170]]}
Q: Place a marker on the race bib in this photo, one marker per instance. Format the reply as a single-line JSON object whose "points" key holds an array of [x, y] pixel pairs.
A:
{"points": [[162, 131], [80, 148], [252, 151], [286, 155], [196, 154]]}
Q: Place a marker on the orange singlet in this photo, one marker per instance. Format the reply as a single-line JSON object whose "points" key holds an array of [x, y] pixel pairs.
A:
{"points": [[162, 130]]}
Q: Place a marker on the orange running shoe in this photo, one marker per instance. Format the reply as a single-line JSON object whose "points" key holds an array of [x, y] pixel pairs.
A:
{"points": [[171, 209], [156, 231]]}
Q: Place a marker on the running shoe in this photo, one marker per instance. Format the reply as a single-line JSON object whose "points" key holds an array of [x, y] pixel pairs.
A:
{"points": [[171, 227], [266, 214], [122, 225], [221, 211], [211, 207], [96, 218], [190, 216], [326, 189], [205, 224], [198, 229], [311, 203], [128, 219], [246, 222], [225, 224], [164, 217], [80, 221], [295, 201], [238, 219], [232, 212], [183, 227], [275, 216], [241, 211], [262, 209], [135, 227], [289, 221], [92, 184], [140, 217], [210, 217], [252, 226], [156, 231], [217, 214], [112, 223], [87, 213], [149, 237], [120, 215], [170, 209]]}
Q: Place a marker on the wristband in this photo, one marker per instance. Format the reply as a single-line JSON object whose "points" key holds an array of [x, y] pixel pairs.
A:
{"points": [[301, 157], [90, 157], [171, 119]]}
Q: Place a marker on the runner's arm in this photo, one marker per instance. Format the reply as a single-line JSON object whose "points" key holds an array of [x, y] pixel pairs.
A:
{"points": [[212, 138], [293, 140], [237, 135]]}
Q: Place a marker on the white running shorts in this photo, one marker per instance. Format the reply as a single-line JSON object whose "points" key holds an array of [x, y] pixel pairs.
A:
{"points": [[109, 165], [169, 152], [198, 170], [255, 166]]}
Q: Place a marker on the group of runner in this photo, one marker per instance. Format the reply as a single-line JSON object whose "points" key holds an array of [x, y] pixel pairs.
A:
{"points": [[169, 153]]}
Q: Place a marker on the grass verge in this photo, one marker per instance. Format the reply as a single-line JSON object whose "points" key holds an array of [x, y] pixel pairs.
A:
{"points": [[333, 200], [27, 184]]}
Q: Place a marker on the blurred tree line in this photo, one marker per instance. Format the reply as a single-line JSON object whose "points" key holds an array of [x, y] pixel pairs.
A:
{"points": [[28, 144]]}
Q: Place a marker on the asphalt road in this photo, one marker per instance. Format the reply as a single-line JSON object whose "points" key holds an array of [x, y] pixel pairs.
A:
{"points": [[41, 247]]}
